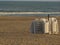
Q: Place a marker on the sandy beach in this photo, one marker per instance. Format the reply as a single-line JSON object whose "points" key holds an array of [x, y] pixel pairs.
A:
{"points": [[15, 30]]}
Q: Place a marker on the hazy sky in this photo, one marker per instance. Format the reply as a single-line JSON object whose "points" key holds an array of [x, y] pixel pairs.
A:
{"points": [[29, 0]]}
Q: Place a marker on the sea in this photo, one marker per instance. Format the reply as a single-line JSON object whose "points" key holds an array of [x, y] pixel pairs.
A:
{"points": [[29, 6]]}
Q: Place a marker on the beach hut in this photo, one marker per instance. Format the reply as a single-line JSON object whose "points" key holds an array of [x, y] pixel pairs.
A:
{"points": [[55, 27], [37, 26], [34, 25], [46, 25]]}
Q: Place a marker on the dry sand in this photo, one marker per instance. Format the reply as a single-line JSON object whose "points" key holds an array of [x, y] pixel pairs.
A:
{"points": [[16, 31]]}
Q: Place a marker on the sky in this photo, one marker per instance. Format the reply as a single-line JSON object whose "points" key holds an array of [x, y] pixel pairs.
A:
{"points": [[29, 0]]}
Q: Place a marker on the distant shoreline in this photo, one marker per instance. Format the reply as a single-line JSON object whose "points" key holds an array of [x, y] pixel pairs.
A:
{"points": [[29, 12]]}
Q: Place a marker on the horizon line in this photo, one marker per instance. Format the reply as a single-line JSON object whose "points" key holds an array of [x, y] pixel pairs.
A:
{"points": [[39, 1]]}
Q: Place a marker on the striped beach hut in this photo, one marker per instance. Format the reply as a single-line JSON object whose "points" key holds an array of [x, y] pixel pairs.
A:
{"points": [[37, 26]]}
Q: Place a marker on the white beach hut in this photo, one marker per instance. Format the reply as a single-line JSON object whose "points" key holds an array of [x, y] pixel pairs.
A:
{"points": [[46, 25], [55, 27]]}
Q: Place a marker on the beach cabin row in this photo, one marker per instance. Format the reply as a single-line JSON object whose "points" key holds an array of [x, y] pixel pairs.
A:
{"points": [[45, 26]]}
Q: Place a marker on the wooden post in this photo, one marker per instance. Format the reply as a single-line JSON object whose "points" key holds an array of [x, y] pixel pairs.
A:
{"points": [[48, 17]]}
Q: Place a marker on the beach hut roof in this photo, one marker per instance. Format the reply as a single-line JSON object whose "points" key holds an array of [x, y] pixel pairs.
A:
{"points": [[44, 20]]}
